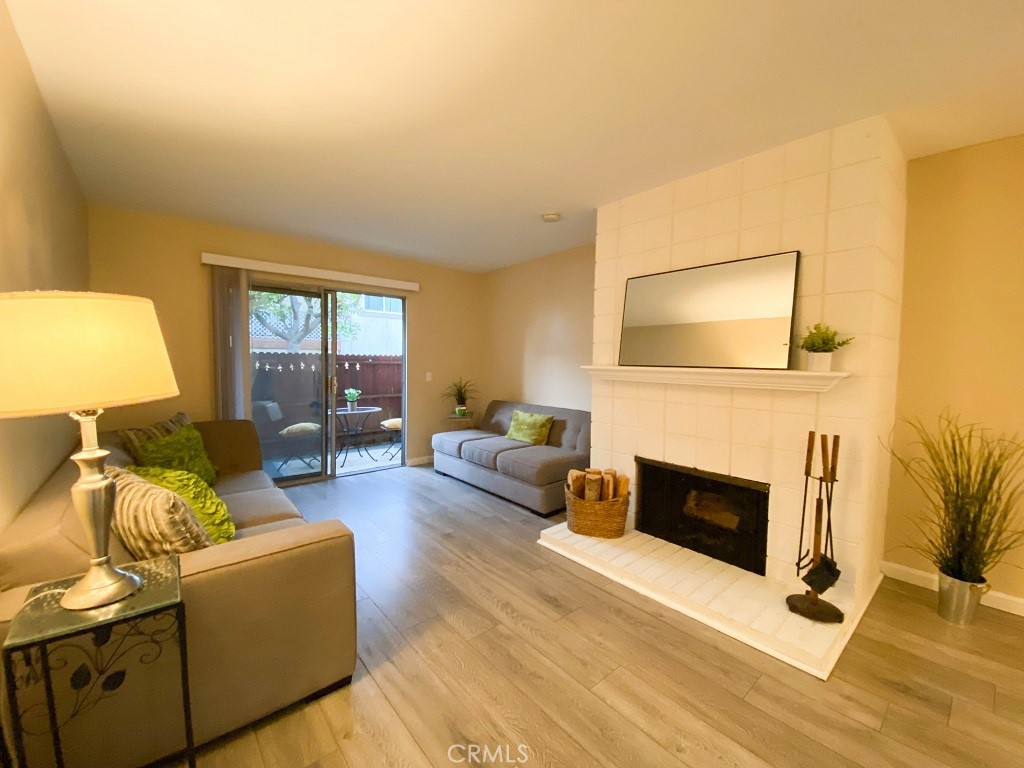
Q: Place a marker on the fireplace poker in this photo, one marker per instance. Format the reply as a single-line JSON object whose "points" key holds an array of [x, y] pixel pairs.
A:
{"points": [[833, 479], [802, 556]]}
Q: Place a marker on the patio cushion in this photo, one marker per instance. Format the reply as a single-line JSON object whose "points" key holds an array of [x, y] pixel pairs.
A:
{"points": [[300, 429], [451, 442], [485, 452], [540, 464]]}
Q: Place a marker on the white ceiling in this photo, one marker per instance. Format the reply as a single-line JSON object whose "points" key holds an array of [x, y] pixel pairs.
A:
{"points": [[441, 129]]}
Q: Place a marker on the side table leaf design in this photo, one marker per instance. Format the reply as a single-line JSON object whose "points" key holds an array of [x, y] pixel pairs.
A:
{"points": [[101, 659], [113, 681], [80, 678]]}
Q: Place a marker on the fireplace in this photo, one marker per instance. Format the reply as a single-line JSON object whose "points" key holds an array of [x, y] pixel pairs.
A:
{"points": [[717, 515]]}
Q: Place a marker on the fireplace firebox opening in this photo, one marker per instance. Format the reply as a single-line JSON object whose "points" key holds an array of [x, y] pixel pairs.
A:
{"points": [[717, 515]]}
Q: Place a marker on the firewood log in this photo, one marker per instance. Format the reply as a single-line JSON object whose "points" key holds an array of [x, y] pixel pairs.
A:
{"points": [[607, 486], [621, 486], [576, 481], [592, 486]]}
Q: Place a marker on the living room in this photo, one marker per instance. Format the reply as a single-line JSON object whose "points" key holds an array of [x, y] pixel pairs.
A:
{"points": [[898, 181]]}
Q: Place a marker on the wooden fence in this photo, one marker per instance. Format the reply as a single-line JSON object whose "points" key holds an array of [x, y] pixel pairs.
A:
{"points": [[295, 381]]}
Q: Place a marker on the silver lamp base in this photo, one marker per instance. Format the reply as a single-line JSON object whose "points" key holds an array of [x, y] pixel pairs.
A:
{"points": [[93, 496], [102, 584]]}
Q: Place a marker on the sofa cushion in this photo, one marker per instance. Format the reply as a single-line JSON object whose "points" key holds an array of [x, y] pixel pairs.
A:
{"points": [[210, 510], [153, 521], [258, 530], [540, 464], [240, 482], [485, 452], [570, 429], [451, 442], [134, 438], [530, 428], [267, 505], [182, 449]]}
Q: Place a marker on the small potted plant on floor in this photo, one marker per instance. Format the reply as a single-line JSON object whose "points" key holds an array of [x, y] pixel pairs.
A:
{"points": [[820, 342], [972, 486], [352, 396], [461, 392]]}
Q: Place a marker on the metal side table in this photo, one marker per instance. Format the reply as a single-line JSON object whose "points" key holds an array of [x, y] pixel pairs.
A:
{"points": [[82, 658]]}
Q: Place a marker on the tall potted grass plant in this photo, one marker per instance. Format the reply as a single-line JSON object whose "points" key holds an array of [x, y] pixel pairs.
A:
{"points": [[972, 485]]}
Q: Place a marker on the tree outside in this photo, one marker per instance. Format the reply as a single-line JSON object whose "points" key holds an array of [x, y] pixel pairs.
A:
{"points": [[293, 318]]}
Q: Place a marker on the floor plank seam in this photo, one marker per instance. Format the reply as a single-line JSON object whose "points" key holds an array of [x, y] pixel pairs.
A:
{"points": [[605, 677]]}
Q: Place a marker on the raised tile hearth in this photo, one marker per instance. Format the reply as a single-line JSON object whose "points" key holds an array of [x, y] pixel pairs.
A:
{"points": [[743, 605]]}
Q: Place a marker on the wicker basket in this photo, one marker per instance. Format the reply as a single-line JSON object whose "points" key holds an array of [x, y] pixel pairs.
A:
{"points": [[606, 519]]}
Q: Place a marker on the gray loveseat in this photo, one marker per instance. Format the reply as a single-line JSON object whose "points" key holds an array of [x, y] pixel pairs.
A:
{"points": [[530, 475]]}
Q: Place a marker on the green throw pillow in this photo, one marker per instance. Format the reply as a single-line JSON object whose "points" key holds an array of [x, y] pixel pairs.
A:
{"points": [[211, 512], [530, 428], [179, 450]]}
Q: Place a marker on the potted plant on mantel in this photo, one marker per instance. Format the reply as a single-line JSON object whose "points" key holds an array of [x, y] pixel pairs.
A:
{"points": [[352, 396], [820, 342], [461, 392], [972, 485]]}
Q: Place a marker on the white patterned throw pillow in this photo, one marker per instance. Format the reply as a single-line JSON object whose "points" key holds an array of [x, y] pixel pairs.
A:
{"points": [[153, 521]]}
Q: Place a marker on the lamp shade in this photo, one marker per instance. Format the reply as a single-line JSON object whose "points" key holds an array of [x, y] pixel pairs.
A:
{"points": [[66, 351]]}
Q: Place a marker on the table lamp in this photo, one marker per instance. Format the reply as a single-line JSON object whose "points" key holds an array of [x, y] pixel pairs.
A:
{"points": [[79, 353]]}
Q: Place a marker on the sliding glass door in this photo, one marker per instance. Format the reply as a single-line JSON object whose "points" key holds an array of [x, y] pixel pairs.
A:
{"points": [[289, 367], [326, 380], [368, 349]]}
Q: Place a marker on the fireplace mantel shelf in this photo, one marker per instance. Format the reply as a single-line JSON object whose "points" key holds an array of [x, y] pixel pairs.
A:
{"points": [[741, 378]]}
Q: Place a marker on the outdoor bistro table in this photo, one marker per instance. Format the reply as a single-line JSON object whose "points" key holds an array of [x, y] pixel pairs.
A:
{"points": [[350, 427]]}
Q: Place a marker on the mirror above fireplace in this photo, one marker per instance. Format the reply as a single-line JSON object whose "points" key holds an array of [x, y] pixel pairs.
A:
{"points": [[737, 314]]}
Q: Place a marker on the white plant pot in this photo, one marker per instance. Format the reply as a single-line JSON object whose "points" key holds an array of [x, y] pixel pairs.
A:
{"points": [[819, 362]]}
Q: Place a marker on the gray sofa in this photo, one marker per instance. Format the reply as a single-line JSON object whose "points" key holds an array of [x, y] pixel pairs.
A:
{"points": [[271, 614], [530, 475]]}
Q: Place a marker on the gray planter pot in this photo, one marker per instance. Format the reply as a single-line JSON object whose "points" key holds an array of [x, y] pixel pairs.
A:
{"points": [[352, 404], [959, 600]]}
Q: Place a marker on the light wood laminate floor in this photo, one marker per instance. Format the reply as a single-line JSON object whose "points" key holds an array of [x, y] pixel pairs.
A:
{"points": [[471, 633]]}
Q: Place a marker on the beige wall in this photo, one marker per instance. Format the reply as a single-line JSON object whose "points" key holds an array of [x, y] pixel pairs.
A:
{"points": [[540, 329], [158, 256], [961, 342], [42, 246]]}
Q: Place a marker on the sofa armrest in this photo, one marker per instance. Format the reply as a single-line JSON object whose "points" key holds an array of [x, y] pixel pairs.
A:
{"points": [[232, 444], [271, 619]]}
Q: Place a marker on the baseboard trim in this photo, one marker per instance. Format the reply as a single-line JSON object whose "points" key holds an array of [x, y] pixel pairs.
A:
{"points": [[998, 600], [419, 461]]}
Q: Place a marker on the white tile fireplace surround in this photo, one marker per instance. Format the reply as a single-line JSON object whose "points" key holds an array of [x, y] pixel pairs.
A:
{"points": [[839, 198]]}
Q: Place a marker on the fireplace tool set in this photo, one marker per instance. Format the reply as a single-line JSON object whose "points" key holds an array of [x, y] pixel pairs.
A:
{"points": [[817, 562]]}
